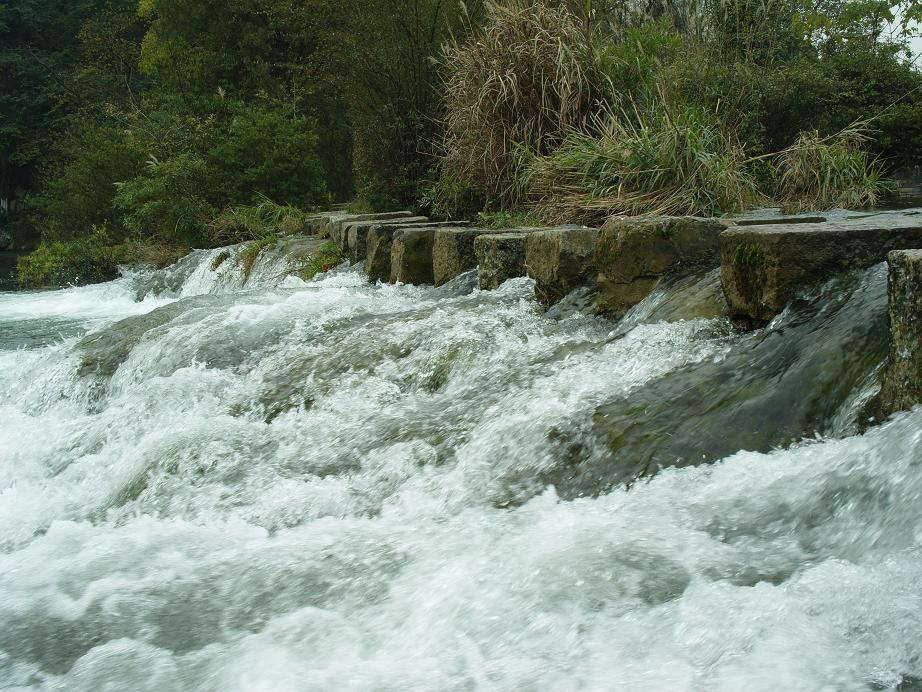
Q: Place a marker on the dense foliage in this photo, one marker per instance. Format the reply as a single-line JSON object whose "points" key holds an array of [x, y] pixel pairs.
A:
{"points": [[703, 108], [178, 123]]}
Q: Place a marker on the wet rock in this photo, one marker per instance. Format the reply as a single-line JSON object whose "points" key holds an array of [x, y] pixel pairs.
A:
{"points": [[901, 385], [297, 249], [411, 256], [634, 254], [500, 256], [453, 252], [560, 260], [332, 225], [764, 267], [772, 388], [102, 352], [353, 236]]}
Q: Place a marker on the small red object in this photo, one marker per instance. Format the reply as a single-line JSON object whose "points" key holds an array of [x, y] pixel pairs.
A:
{"points": [[326, 267]]}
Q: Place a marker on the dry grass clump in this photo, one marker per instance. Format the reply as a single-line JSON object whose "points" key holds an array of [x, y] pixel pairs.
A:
{"points": [[820, 173], [651, 163], [526, 79]]}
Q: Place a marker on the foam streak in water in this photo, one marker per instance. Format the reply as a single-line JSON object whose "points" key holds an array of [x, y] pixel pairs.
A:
{"points": [[209, 485]]}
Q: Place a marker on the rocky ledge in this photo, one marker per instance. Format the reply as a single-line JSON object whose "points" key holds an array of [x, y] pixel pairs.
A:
{"points": [[764, 267], [901, 382]]}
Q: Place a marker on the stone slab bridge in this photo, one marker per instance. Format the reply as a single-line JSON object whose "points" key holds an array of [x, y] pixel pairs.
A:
{"points": [[764, 264]]}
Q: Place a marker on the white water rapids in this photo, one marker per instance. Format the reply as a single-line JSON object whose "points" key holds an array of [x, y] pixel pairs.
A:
{"points": [[339, 486]]}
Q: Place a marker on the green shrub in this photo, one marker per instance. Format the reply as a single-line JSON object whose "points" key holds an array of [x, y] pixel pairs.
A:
{"points": [[220, 259], [327, 256], [265, 152], [89, 258], [255, 221], [166, 201], [77, 191], [248, 256], [449, 198]]}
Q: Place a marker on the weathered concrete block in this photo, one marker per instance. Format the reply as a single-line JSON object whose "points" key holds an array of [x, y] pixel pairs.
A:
{"points": [[313, 223], [353, 237], [634, 254], [500, 256], [378, 243], [560, 260], [378, 252], [453, 252], [762, 268], [901, 386], [411, 256], [332, 226]]}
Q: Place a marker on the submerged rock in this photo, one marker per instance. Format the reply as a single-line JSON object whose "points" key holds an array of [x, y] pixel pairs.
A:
{"points": [[633, 255], [764, 267], [901, 386], [560, 260], [102, 352], [771, 389]]}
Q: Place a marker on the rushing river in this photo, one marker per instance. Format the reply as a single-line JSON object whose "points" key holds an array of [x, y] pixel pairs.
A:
{"points": [[339, 486]]}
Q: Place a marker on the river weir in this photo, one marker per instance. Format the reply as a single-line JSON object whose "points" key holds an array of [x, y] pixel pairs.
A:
{"points": [[213, 483]]}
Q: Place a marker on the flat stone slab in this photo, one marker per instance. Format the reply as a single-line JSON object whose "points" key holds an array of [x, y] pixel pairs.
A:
{"points": [[762, 268], [560, 260], [634, 254], [779, 220], [501, 256], [411, 256], [333, 223], [352, 236], [453, 252]]}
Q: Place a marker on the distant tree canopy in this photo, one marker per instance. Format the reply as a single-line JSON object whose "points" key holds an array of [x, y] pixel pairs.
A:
{"points": [[148, 117]]}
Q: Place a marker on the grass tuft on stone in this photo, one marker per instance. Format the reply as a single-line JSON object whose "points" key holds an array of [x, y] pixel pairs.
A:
{"points": [[820, 173]]}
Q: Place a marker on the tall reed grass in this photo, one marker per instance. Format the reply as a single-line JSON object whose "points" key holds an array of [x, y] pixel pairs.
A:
{"points": [[654, 163], [528, 78], [825, 172]]}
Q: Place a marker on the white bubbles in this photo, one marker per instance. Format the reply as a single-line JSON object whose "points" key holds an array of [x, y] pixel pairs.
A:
{"points": [[330, 485]]}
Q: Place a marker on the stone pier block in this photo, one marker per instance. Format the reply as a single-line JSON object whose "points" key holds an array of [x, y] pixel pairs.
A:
{"points": [[634, 254], [560, 260], [411, 256], [453, 252], [762, 268], [901, 386]]}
